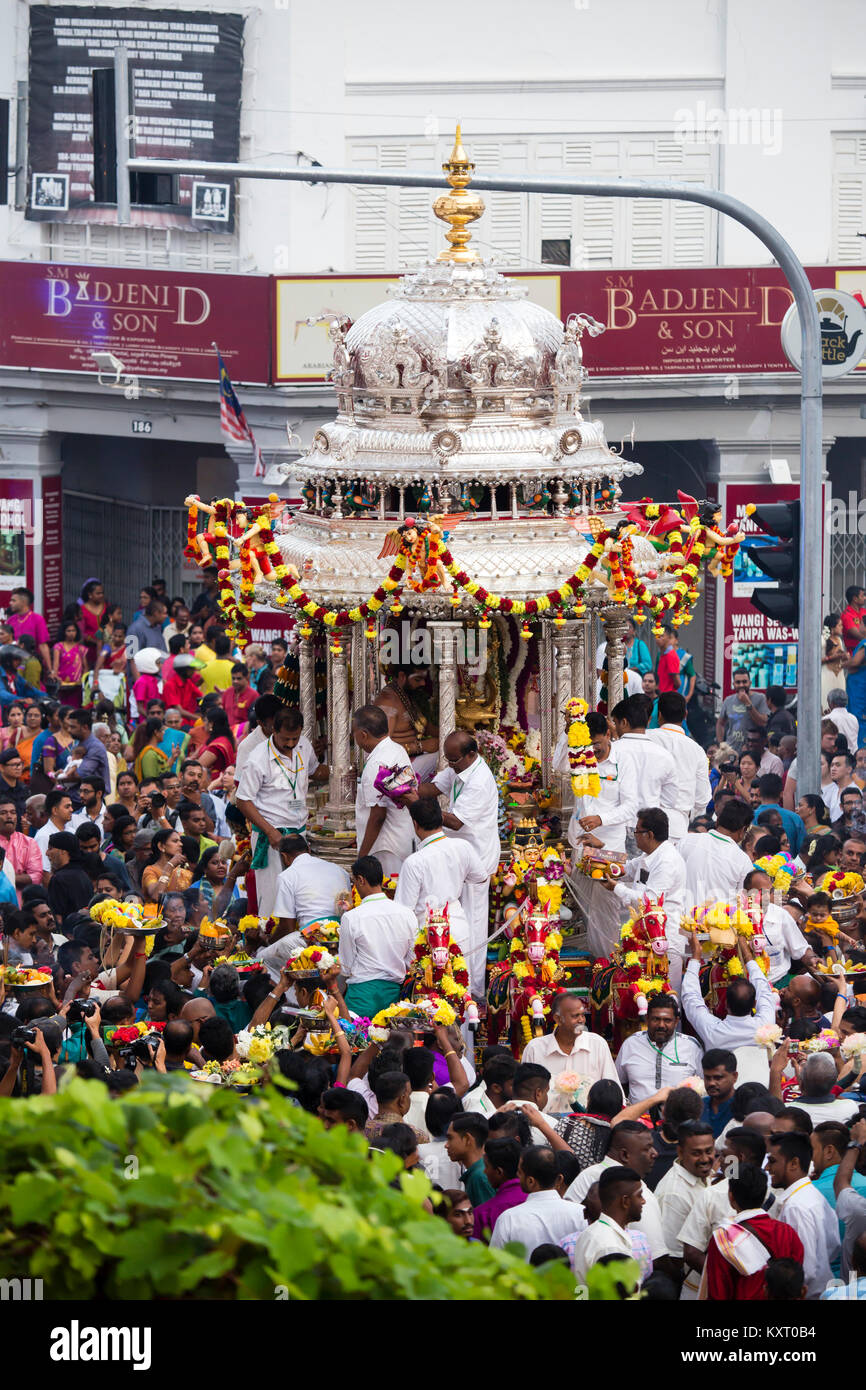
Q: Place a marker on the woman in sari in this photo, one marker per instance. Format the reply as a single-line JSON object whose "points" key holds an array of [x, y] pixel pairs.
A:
{"points": [[812, 810], [69, 663], [148, 759], [220, 750], [13, 731], [115, 672], [34, 723], [57, 747], [166, 871], [92, 613], [217, 883]]}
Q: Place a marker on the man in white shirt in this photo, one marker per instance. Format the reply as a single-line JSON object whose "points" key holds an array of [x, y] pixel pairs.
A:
{"points": [[58, 804], [716, 867], [657, 870], [382, 827], [684, 1185], [692, 770], [846, 722], [741, 997], [712, 1207], [785, 942], [92, 793], [307, 888], [631, 1146], [472, 814], [654, 769], [265, 709], [272, 794], [570, 1047], [622, 1196], [600, 822], [544, 1218], [799, 1204], [376, 940], [648, 1061], [440, 870], [494, 1090]]}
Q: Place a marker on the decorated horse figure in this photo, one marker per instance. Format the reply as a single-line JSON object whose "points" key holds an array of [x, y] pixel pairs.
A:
{"points": [[637, 969], [523, 986], [439, 970]]}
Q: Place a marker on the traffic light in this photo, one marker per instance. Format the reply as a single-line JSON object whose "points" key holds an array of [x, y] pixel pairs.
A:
{"points": [[779, 562]]}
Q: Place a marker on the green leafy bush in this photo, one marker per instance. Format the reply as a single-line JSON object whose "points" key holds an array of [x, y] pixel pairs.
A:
{"points": [[180, 1190]]}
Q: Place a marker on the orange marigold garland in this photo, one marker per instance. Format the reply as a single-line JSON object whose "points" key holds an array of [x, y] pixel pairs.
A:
{"points": [[627, 587]]}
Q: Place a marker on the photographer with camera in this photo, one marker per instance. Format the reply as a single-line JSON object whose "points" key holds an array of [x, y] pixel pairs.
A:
{"points": [[159, 802], [83, 1019], [37, 1047], [148, 1051]]}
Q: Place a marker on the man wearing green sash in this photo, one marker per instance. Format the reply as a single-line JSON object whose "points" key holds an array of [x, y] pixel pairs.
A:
{"points": [[272, 794]]}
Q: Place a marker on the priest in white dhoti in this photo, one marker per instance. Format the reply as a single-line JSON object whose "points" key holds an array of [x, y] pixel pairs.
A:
{"points": [[652, 766], [272, 795], [471, 814], [601, 823], [692, 791], [440, 869], [382, 826], [656, 870]]}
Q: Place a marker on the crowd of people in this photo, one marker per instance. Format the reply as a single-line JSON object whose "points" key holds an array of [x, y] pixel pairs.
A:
{"points": [[151, 763]]}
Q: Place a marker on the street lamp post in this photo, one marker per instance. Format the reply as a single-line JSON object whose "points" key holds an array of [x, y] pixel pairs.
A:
{"points": [[811, 533]]}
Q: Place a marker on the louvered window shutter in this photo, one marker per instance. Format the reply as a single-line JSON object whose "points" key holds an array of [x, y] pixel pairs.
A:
{"points": [[691, 230], [849, 197], [647, 233]]}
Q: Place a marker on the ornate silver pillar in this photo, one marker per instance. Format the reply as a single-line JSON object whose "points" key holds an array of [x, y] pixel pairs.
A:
{"points": [[567, 638], [578, 661], [590, 669], [545, 700], [615, 627], [359, 665], [341, 782], [307, 685], [445, 662]]}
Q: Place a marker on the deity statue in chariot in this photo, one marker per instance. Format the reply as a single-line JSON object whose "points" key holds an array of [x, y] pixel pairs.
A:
{"points": [[523, 986], [534, 871], [636, 970], [230, 527]]}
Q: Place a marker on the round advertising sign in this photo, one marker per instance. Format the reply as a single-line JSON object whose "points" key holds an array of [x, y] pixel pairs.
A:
{"points": [[842, 319]]}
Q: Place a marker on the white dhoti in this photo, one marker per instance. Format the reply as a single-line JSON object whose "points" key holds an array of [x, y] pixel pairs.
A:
{"points": [[266, 882], [603, 913], [475, 906], [391, 863], [677, 947], [424, 766]]}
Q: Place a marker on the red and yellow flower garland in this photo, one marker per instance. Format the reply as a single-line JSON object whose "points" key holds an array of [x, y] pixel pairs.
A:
{"points": [[626, 586]]}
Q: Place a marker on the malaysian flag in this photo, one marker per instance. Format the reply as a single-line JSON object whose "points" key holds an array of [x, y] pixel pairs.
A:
{"points": [[233, 422]]}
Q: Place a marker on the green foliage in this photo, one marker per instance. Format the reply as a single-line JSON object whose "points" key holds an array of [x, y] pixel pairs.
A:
{"points": [[181, 1190], [613, 1282]]}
